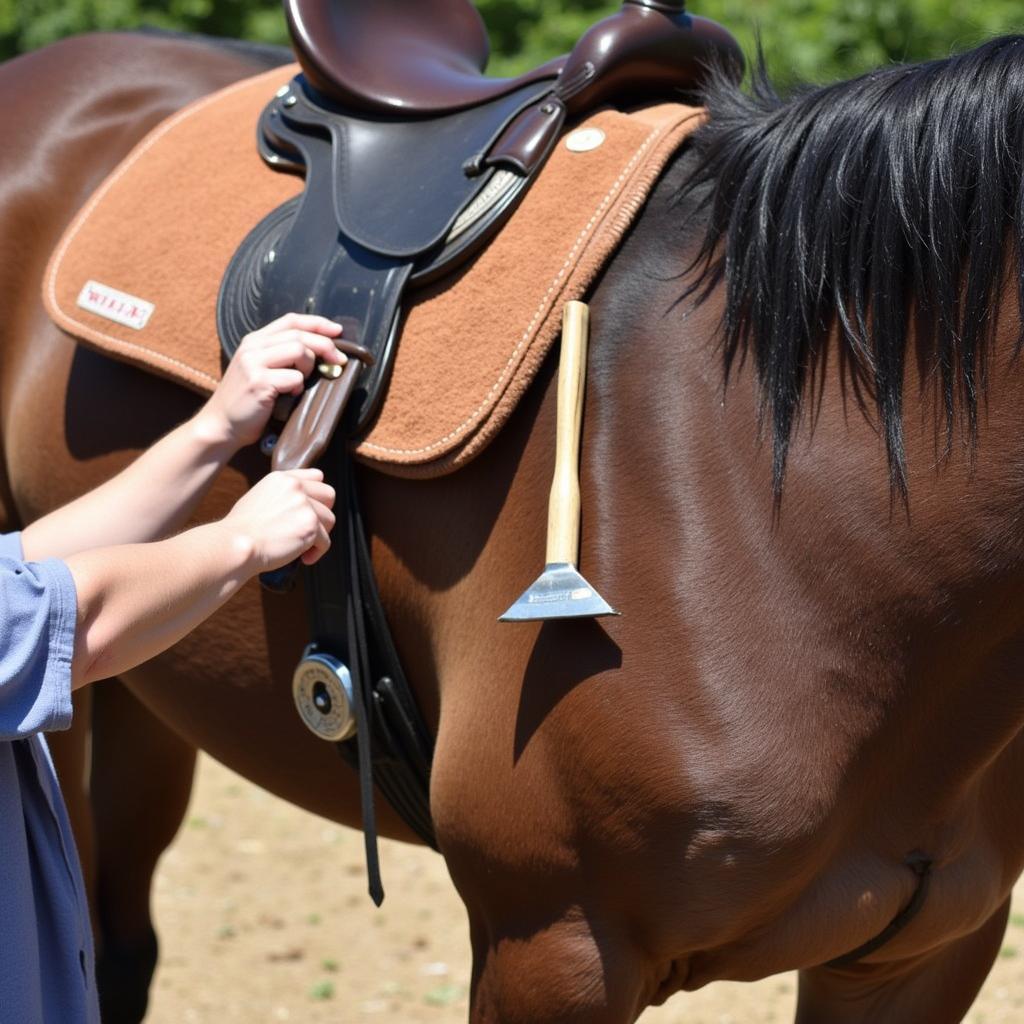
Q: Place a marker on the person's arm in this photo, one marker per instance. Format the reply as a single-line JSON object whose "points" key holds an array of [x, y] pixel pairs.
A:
{"points": [[136, 600], [156, 494]]}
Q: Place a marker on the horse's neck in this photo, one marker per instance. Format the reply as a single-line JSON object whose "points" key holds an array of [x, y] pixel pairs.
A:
{"points": [[839, 615]]}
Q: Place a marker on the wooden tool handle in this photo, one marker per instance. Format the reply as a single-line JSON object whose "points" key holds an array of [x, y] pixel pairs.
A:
{"points": [[564, 504]]}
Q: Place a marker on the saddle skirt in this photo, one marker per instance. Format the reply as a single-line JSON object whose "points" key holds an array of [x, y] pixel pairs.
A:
{"points": [[137, 272]]}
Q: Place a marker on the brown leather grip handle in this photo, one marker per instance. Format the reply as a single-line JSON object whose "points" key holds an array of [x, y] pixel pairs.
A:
{"points": [[314, 419], [308, 432]]}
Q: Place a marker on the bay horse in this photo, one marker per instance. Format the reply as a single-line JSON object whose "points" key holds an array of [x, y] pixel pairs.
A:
{"points": [[800, 746]]}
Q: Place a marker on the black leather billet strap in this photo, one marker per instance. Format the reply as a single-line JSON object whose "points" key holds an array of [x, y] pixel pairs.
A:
{"points": [[362, 689], [393, 748], [404, 744]]}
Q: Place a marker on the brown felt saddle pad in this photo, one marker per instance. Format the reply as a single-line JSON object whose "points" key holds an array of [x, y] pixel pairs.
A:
{"points": [[138, 270]]}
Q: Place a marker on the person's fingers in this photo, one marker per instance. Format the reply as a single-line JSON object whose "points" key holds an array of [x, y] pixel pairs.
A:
{"points": [[299, 349], [290, 353], [303, 474], [319, 491], [298, 321], [316, 343], [319, 548], [323, 347], [286, 382], [325, 515]]}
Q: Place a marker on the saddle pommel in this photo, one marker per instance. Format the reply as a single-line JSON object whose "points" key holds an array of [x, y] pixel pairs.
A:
{"points": [[648, 49]]}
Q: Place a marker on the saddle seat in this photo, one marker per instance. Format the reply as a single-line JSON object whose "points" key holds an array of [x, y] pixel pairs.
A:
{"points": [[425, 58], [400, 56]]}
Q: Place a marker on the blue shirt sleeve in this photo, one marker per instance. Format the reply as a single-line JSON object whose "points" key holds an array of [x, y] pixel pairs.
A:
{"points": [[38, 612]]}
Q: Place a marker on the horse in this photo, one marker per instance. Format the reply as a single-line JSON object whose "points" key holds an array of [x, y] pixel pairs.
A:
{"points": [[802, 469]]}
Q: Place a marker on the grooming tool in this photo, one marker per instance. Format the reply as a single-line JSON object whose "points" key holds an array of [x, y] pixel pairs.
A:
{"points": [[561, 592]]}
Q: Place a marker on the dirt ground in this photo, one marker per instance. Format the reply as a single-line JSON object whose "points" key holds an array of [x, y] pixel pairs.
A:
{"points": [[263, 917]]}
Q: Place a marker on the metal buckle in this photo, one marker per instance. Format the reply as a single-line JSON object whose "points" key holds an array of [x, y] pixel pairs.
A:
{"points": [[322, 690]]}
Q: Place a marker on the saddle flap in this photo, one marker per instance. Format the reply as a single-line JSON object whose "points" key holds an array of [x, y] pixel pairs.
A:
{"points": [[399, 188]]}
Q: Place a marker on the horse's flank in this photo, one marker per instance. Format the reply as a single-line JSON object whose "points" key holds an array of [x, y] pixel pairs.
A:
{"points": [[726, 782]]}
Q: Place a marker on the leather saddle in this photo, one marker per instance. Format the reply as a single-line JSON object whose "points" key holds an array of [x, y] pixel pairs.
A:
{"points": [[412, 160]]}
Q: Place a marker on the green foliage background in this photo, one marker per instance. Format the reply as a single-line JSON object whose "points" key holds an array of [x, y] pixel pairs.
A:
{"points": [[814, 40]]}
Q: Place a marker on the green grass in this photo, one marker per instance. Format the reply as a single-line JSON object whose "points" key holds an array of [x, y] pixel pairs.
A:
{"points": [[444, 995], [322, 991]]}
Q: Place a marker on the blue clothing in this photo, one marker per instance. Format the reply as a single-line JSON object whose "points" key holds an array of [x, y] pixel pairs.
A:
{"points": [[47, 968]]}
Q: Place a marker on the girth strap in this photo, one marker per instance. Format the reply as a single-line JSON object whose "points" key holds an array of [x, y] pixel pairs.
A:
{"points": [[392, 748]]}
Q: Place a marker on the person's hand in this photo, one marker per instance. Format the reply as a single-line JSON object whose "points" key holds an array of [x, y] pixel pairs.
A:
{"points": [[270, 362], [287, 515]]}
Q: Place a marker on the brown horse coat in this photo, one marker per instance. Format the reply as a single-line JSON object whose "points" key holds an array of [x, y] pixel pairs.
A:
{"points": [[724, 783]]}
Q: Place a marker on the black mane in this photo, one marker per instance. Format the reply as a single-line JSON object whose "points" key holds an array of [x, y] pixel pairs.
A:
{"points": [[853, 205]]}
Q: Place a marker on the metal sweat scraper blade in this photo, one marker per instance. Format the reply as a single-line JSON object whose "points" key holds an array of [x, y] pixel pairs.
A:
{"points": [[561, 592]]}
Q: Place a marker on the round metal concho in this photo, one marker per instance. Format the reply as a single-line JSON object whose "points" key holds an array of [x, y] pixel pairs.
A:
{"points": [[322, 688], [583, 140]]}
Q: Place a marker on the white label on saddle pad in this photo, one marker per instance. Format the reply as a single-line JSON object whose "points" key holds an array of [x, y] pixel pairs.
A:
{"points": [[120, 307]]}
